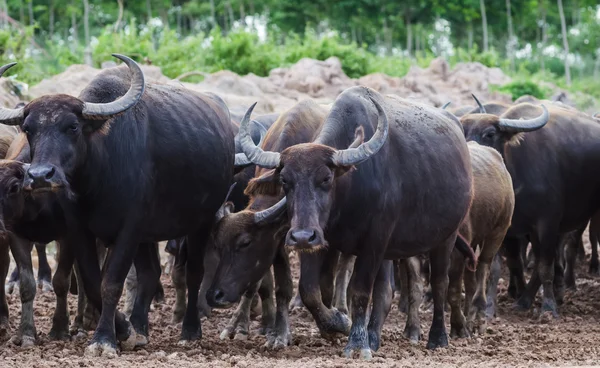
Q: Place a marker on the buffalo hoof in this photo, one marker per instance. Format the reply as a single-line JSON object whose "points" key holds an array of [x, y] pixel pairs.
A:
{"points": [[570, 282], [191, 334], [59, 334], [204, 310], [549, 307], [177, 317], [278, 341], [24, 342], [490, 310], [79, 335], [413, 334], [459, 332], [438, 338], [140, 340], [105, 350], [523, 304], [365, 353], [338, 323], [374, 340], [403, 304]]}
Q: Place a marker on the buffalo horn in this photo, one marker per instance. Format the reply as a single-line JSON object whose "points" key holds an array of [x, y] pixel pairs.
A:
{"points": [[516, 126], [481, 108], [446, 105], [268, 215], [103, 111], [255, 154], [354, 156], [10, 116]]}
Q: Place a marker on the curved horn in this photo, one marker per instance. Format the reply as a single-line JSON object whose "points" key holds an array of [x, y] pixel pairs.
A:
{"points": [[10, 116], [103, 111], [596, 115], [255, 154], [446, 105], [516, 126], [481, 108], [354, 156], [268, 215], [240, 158], [263, 132]]}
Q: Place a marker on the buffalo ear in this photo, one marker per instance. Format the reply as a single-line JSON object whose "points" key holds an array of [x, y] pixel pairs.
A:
{"points": [[515, 139], [93, 126], [267, 184], [226, 209], [342, 170]]}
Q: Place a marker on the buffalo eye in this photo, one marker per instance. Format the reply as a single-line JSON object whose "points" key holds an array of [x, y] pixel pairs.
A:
{"points": [[244, 245], [26, 130], [74, 127], [19, 175], [489, 134]]}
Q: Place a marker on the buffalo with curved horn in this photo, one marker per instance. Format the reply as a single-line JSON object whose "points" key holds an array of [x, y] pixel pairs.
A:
{"points": [[341, 199]]}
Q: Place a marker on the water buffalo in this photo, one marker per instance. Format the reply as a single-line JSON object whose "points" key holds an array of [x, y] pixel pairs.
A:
{"points": [[137, 164], [332, 203], [555, 177], [485, 227], [251, 241]]}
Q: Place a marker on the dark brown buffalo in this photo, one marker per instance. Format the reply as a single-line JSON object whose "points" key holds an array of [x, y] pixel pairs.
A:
{"points": [[556, 177], [250, 241], [414, 176], [139, 164]]}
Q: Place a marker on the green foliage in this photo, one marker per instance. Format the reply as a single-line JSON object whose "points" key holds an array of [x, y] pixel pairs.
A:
{"points": [[524, 87]]}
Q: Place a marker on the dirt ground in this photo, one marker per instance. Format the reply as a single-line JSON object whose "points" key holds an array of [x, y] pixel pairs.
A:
{"points": [[513, 339]]}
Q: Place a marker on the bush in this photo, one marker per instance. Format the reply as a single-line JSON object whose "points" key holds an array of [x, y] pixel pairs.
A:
{"points": [[520, 88]]}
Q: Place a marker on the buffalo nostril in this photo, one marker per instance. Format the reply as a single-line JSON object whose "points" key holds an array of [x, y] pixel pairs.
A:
{"points": [[313, 237], [50, 173], [219, 295], [293, 238]]}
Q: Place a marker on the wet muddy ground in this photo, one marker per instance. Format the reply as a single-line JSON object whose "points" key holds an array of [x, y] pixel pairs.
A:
{"points": [[512, 339]]}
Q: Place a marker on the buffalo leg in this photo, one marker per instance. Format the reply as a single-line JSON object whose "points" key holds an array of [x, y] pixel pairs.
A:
{"points": [[458, 322], [280, 336], [342, 278], [571, 247], [147, 265], [265, 291], [78, 329], [211, 261], [196, 243], [13, 280], [383, 293], [21, 250], [439, 259], [594, 239], [327, 280], [238, 327], [44, 271], [178, 279], [61, 283], [412, 268], [362, 282], [4, 265], [492, 287], [403, 283], [514, 261], [131, 284], [330, 321], [489, 249]]}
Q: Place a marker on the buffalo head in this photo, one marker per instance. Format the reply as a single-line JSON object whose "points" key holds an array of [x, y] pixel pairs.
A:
{"points": [[497, 131], [59, 127], [308, 174], [12, 200]]}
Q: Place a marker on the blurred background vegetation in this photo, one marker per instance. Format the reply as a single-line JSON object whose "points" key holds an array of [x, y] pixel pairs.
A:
{"points": [[531, 40]]}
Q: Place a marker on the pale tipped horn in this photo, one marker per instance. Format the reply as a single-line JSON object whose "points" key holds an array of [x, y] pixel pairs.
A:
{"points": [[240, 158], [481, 108], [255, 154], [354, 156], [271, 213], [103, 111], [446, 105], [517, 126], [10, 116]]}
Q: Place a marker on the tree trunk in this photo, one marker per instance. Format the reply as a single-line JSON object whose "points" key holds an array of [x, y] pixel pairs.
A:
{"points": [[120, 16], [213, 20], [484, 26], [230, 12], [21, 12], [5, 11], [74, 25], [563, 27], [242, 13], [30, 8], [179, 21], [470, 37], [544, 35], [149, 9], [597, 67], [353, 32], [51, 18], [387, 35], [86, 31], [511, 37], [409, 35]]}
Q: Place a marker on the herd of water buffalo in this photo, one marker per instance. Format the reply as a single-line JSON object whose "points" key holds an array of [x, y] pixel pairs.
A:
{"points": [[360, 189]]}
